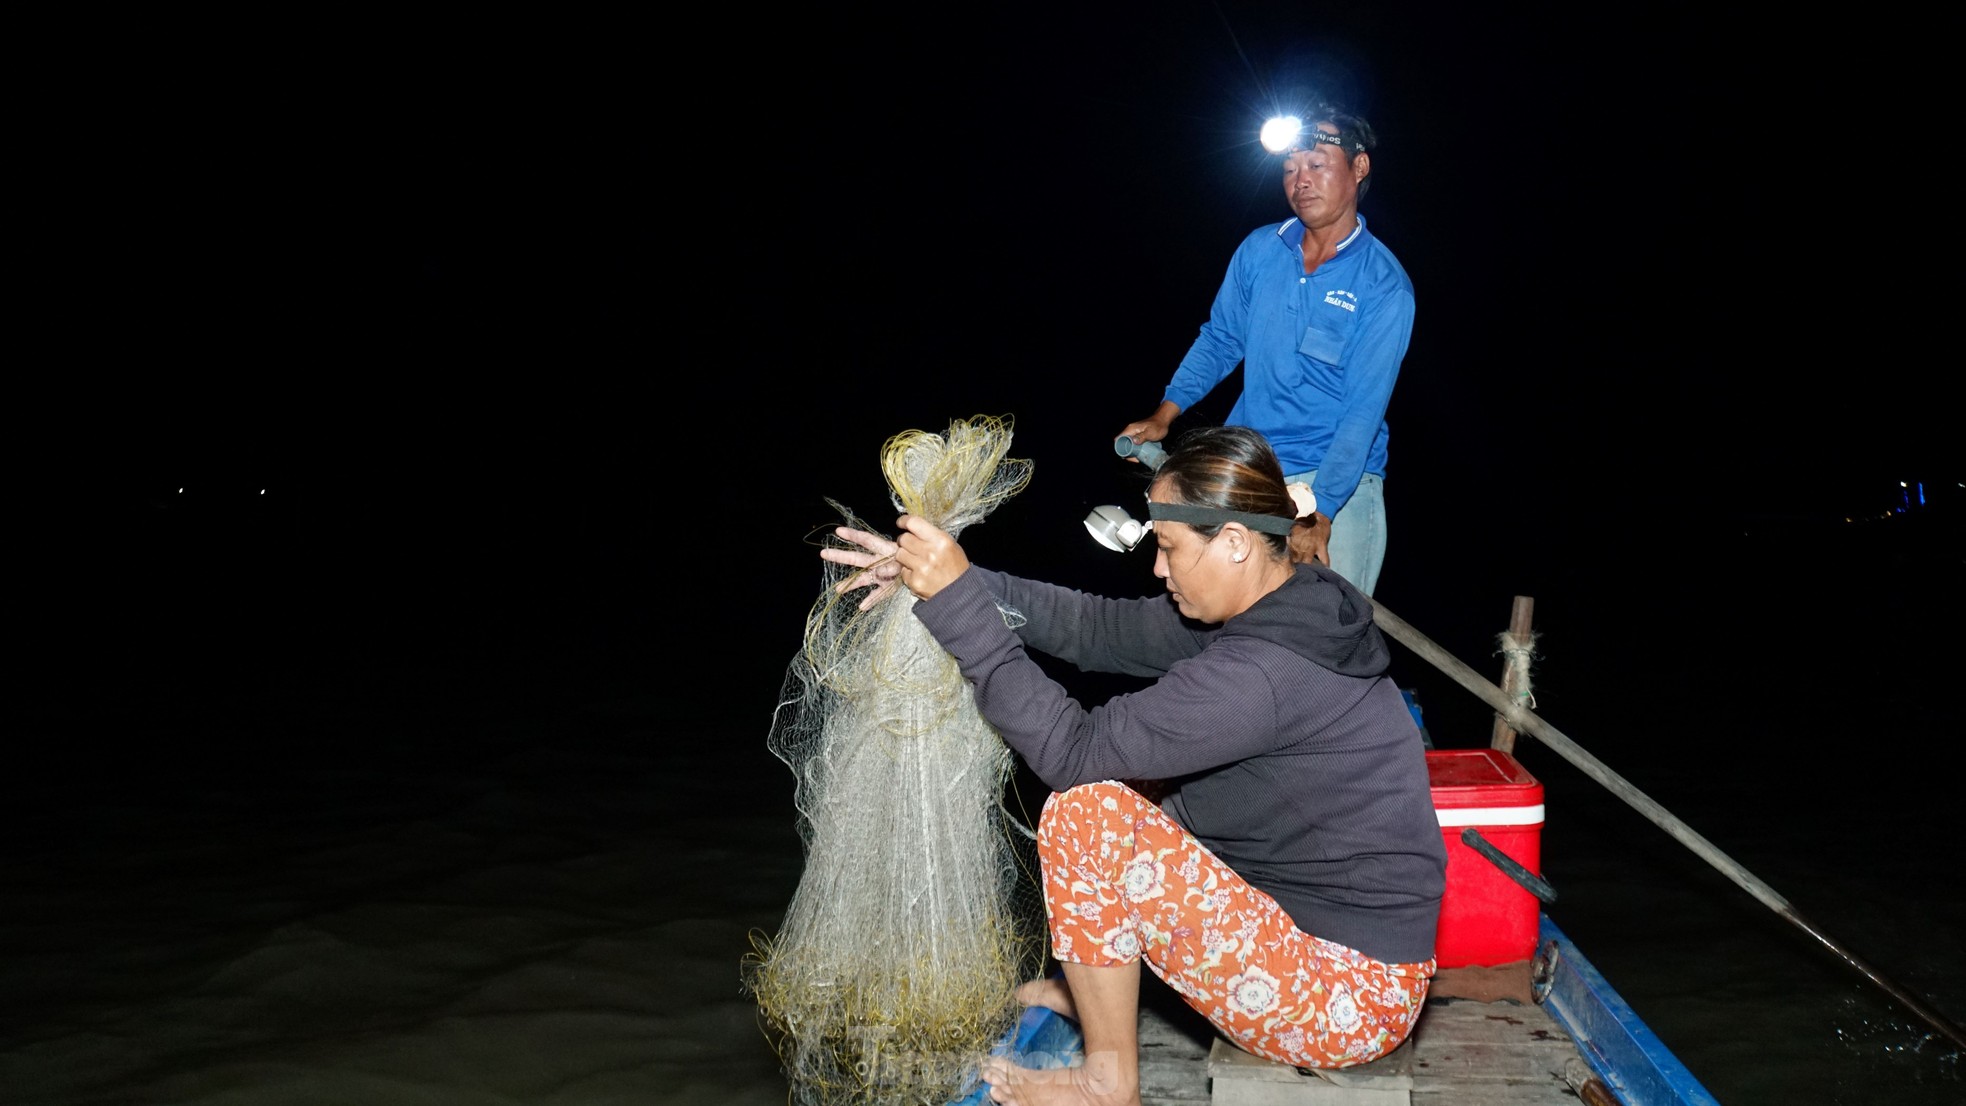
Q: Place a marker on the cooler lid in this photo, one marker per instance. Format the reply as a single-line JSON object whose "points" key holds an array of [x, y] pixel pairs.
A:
{"points": [[1480, 778]]}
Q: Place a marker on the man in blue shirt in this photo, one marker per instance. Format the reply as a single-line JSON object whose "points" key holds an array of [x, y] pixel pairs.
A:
{"points": [[1319, 313]]}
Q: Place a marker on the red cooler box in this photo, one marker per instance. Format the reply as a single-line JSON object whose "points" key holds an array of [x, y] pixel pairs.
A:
{"points": [[1486, 918]]}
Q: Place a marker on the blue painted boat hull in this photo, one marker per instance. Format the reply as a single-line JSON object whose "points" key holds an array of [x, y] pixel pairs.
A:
{"points": [[1614, 1040]]}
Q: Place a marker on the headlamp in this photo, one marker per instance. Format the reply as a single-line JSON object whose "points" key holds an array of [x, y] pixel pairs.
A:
{"points": [[1120, 532], [1113, 528], [1284, 133]]}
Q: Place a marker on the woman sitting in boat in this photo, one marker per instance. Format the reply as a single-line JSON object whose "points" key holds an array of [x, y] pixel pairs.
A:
{"points": [[1288, 883]]}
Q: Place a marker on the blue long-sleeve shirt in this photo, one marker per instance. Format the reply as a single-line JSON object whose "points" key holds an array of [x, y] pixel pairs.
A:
{"points": [[1320, 353]]}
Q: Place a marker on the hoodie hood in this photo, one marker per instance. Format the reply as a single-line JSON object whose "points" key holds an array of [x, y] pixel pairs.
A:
{"points": [[1319, 615]]}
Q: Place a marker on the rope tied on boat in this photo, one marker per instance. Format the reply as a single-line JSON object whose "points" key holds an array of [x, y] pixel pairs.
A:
{"points": [[1517, 651]]}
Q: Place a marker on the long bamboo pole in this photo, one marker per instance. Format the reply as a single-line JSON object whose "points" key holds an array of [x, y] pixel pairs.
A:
{"points": [[1523, 720]]}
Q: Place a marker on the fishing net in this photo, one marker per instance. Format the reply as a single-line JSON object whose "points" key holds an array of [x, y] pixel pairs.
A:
{"points": [[916, 916]]}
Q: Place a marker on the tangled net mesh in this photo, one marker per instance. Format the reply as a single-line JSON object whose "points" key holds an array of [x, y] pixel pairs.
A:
{"points": [[916, 916]]}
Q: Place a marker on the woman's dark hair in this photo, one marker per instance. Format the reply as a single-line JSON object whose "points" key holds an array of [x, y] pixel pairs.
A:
{"points": [[1230, 467]]}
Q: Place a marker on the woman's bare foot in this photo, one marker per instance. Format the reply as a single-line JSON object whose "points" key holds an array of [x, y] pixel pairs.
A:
{"points": [[1097, 1082], [1052, 994]]}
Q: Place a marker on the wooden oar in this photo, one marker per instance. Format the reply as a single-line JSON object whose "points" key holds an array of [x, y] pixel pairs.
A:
{"points": [[1523, 720]]}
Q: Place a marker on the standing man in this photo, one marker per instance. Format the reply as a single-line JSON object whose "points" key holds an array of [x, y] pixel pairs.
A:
{"points": [[1319, 313]]}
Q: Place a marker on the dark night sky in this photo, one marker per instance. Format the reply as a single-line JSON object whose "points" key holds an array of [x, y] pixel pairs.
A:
{"points": [[565, 331]]}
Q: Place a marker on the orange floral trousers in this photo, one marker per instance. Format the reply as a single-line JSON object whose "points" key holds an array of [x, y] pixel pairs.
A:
{"points": [[1123, 882]]}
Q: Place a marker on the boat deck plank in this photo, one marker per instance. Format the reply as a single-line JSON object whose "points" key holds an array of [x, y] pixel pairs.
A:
{"points": [[1462, 1052]]}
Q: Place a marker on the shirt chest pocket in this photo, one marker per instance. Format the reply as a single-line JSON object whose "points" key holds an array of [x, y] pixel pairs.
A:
{"points": [[1323, 345]]}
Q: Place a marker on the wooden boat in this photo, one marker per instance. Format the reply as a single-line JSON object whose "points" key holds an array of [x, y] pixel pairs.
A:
{"points": [[1548, 1029], [1578, 1040]]}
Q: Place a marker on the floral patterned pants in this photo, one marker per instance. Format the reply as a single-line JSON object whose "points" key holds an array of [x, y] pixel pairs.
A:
{"points": [[1123, 881]]}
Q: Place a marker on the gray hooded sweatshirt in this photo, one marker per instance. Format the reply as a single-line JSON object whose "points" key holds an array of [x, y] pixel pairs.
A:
{"points": [[1290, 752]]}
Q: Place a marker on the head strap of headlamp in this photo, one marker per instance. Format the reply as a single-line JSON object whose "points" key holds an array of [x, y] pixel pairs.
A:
{"points": [[1314, 137], [1215, 516]]}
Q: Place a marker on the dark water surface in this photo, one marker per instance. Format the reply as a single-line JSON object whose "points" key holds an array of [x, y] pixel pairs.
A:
{"points": [[473, 844]]}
